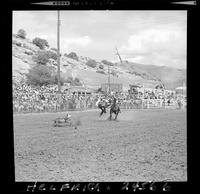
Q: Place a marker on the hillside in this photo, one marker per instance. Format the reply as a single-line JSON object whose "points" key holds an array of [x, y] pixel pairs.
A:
{"points": [[128, 73], [171, 77]]}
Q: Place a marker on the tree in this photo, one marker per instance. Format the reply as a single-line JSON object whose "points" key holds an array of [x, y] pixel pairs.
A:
{"points": [[41, 43], [40, 75], [91, 63], [21, 33], [72, 55], [42, 57], [52, 55]]}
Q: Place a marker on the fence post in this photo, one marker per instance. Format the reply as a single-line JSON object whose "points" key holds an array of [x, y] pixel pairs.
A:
{"points": [[147, 103], [164, 102], [160, 103]]}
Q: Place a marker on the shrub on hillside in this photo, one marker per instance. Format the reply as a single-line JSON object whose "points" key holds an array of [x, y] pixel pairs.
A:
{"points": [[52, 55], [55, 79], [42, 57], [54, 49], [101, 71], [14, 42], [101, 66], [77, 81], [21, 33], [72, 55], [28, 52], [73, 82], [41, 43], [69, 79], [107, 62], [91, 63], [18, 43], [29, 47], [114, 73], [99, 90]]}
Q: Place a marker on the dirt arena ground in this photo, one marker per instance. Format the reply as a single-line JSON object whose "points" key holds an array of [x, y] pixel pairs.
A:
{"points": [[143, 145]]}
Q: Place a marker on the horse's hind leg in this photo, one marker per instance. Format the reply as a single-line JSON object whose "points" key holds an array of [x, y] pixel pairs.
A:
{"points": [[101, 113]]}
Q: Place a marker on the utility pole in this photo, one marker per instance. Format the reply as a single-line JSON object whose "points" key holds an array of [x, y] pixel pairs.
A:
{"points": [[58, 51], [109, 79]]}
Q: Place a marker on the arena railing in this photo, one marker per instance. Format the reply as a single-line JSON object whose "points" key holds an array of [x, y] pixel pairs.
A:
{"points": [[62, 107]]}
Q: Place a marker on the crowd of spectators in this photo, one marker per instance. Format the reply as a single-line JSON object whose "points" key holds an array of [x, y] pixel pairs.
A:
{"points": [[28, 98], [46, 99]]}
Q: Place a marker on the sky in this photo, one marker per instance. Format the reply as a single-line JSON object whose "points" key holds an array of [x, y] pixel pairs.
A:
{"points": [[146, 37]]}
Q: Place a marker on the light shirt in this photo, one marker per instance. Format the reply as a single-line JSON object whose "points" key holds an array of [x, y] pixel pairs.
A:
{"points": [[97, 103]]}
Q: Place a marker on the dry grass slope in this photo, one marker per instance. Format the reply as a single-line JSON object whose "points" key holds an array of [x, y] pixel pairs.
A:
{"points": [[128, 73]]}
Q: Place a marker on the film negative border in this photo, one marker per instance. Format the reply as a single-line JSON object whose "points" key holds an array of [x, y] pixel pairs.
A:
{"points": [[98, 187], [185, 2], [74, 3], [103, 2]]}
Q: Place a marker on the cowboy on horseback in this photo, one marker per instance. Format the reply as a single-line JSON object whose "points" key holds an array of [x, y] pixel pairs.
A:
{"points": [[114, 108]]}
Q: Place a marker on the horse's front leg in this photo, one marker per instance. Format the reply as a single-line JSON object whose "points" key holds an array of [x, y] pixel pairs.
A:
{"points": [[116, 115], [110, 115], [101, 113]]}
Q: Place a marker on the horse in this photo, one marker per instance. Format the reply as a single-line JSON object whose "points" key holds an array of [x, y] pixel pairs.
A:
{"points": [[114, 109], [102, 104]]}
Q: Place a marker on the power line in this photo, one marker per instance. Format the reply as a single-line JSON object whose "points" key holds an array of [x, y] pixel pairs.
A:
{"points": [[108, 78]]}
